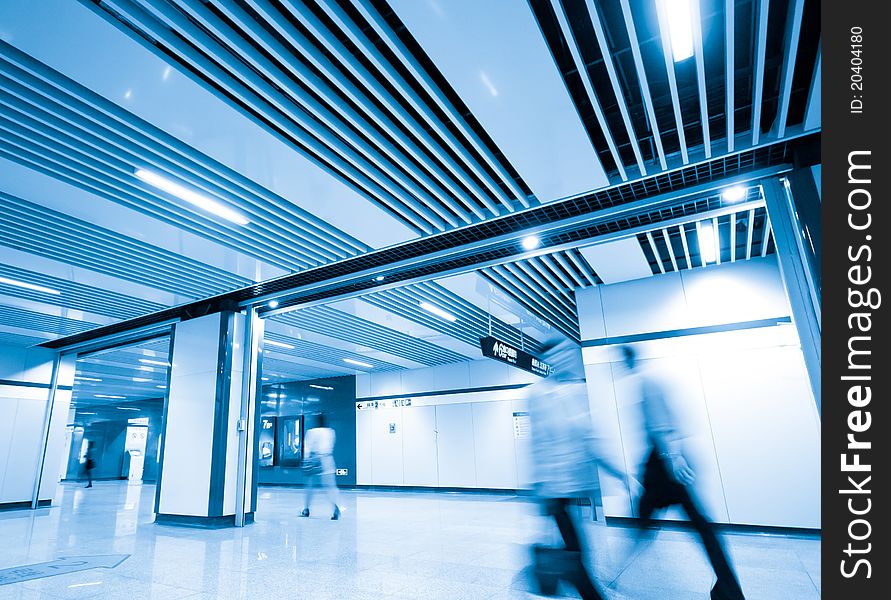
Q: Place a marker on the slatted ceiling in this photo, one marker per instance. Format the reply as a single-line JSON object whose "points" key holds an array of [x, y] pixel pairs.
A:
{"points": [[318, 79], [14, 339], [319, 353], [350, 328], [58, 116], [21, 318], [116, 368], [38, 230], [613, 58], [291, 371], [75, 295]]}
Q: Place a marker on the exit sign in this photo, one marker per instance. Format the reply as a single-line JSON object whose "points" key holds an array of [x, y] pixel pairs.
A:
{"points": [[343, 471]]}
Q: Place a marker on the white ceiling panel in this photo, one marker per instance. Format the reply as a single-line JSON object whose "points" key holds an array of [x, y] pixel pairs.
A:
{"points": [[619, 260], [494, 56], [72, 39]]}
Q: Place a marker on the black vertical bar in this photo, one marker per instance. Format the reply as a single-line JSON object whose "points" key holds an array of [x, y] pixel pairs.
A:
{"points": [[855, 264]]}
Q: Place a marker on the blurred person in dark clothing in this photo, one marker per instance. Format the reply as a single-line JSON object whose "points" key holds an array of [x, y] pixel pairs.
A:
{"points": [[89, 463], [668, 478]]}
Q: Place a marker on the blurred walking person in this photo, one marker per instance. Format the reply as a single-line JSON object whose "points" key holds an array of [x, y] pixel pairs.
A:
{"points": [[564, 461], [318, 464], [89, 463], [668, 479]]}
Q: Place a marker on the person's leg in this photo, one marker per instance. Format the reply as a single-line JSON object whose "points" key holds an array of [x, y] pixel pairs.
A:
{"points": [[307, 501], [576, 572], [727, 585], [329, 483], [89, 478]]}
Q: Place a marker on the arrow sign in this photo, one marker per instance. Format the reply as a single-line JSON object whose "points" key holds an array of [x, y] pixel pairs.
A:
{"points": [[60, 566]]}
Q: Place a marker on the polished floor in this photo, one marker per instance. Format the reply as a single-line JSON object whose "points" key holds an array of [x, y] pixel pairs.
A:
{"points": [[387, 545]]}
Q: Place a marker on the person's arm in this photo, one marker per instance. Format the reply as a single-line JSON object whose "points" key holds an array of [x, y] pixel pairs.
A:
{"points": [[663, 429]]}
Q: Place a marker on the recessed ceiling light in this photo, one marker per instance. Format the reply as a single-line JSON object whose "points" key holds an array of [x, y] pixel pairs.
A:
{"points": [[438, 312], [140, 380], [109, 397], [707, 243], [125, 408], [84, 378], [264, 378], [86, 413], [321, 387], [149, 361], [379, 278], [734, 194], [29, 286], [190, 196], [358, 362], [161, 387], [279, 344], [680, 28], [273, 304], [531, 242]]}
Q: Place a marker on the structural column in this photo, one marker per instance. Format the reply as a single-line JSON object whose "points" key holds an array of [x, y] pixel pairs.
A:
{"points": [[208, 423], [795, 236]]}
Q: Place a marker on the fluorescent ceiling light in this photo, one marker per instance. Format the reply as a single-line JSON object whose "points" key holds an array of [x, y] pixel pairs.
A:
{"points": [[87, 413], [531, 242], [279, 344], [141, 379], [148, 361], [680, 28], [379, 278], [438, 312], [125, 408], [321, 387], [273, 304], [734, 194], [708, 244], [109, 397], [161, 387], [29, 286], [83, 378], [190, 196], [264, 378], [358, 362]]}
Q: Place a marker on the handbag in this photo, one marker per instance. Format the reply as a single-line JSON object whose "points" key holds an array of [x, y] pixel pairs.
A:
{"points": [[312, 465]]}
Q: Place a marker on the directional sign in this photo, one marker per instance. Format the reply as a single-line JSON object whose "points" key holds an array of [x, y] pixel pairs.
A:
{"points": [[506, 353], [60, 566]]}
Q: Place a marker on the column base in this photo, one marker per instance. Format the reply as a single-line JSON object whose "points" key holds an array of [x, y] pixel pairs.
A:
{"points": [[24, 505], [201, 522]]}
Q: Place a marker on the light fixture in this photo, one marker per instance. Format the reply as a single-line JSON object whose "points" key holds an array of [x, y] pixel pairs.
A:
{"points": [[707, 243], [87, 413], [125, 408], [109, 397], [379, 278], [734, 194], [84, 378], [161, 387], [531, 242], [190, 196], [149, 361], [29, 286], [438, 312], [680, 28], [264, 379], [141, 380], [279, 344], [321, 387], [273, 304], [358, 363]]}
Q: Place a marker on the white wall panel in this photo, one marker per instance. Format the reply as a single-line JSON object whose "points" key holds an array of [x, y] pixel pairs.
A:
{"points": [[589, 307], [386, 447], [364, 424], [767, 434], [9, 407], [493, 435], [419, 446], [455, 376], [488, 373], [522, 448], [645, 305], [21, 466], [386, 384], [455, 445]]}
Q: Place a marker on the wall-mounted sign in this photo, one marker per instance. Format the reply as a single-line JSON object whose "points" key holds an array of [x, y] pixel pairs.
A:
{"points": [[506, 353], [521, 425], [378, 404], [341, 472], [392, 427]]}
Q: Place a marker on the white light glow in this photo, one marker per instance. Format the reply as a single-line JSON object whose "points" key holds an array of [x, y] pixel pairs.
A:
{"points": [[141, 380], [321, 387], [87, 413], [161, 387], [109, 397], [279, 344], [531, 242], [29, 286], [125, 408], [707, 244], [273, 304], [84, 378], [379, 278], [734, 194], [438, 312], [190, 196], [149, 361], [358, 363], [264, 378], [680, 28]]}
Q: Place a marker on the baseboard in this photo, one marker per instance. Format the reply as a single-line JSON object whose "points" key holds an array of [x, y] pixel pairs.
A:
{"points": [[24, 505], [201, 522]]}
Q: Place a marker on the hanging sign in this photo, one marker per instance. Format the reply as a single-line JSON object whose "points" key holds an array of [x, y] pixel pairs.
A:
{"points": [[506, 353]]}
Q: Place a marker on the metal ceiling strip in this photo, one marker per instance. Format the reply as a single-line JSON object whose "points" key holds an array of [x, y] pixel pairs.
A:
{"points": [[398, 167], [561, 260], [557, 271], [343, 161], [546, 299], [814, 91], [699, 243], [21, 318], [760, 57], [423, 78], [750, 230], [412, 312], [729, 71], [655, 251], [733, 237], [86, 106], [544, 271], [582, 265], [559, 298], [667, 239], [599, 33], [790, 53], [672, 81], [642, 80], [574, 50], [321, 353], [696, 14], [717, 238], [503, 279], [355, 68], [686, 247], [766, 234]]}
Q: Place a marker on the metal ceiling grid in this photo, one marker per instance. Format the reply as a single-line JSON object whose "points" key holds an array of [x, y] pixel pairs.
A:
{"points": [[22, 318], [119, 372], [14, 339], [350, 328], [291, 371], [38, 230], [58, 127], [319, 353], [750, 74], [316, 78], [75, 295]]}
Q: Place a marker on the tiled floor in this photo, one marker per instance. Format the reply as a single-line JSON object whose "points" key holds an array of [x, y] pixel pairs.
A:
{"points": [[387, 545]]}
